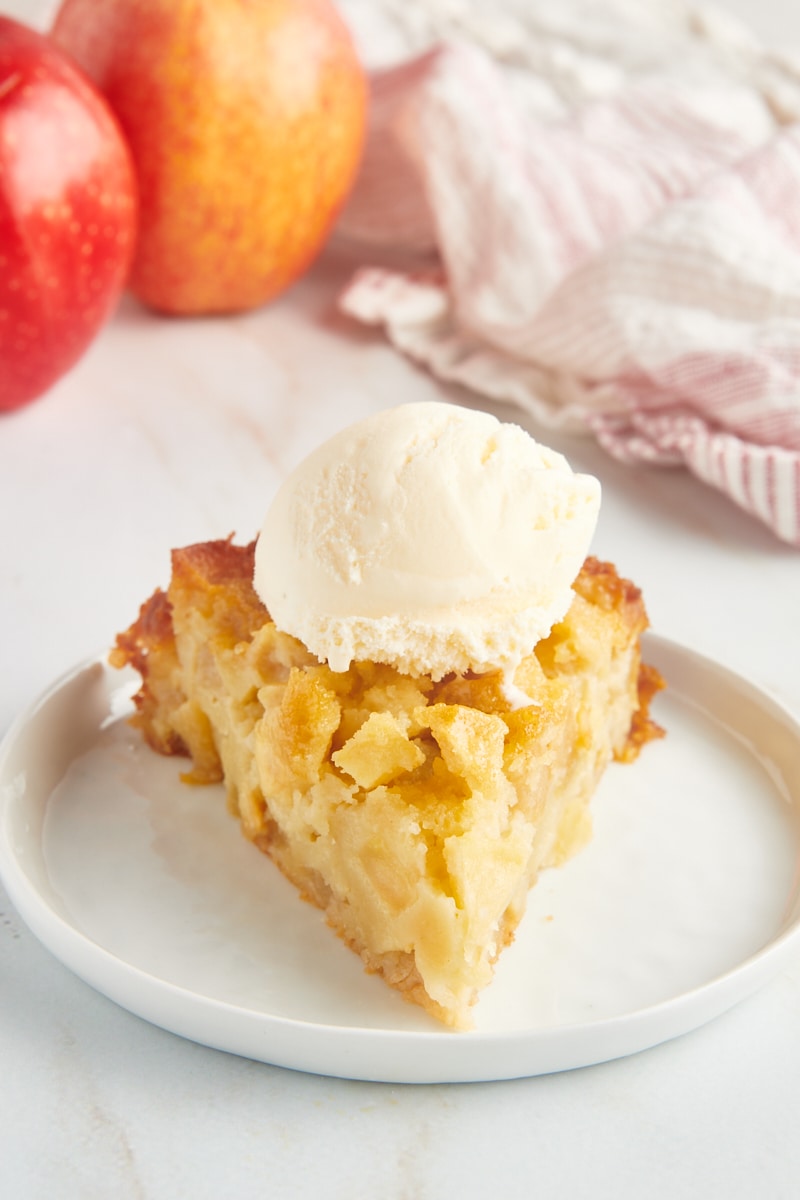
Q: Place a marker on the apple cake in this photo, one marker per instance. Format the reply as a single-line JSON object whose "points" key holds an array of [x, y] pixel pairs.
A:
{"points": [[416, 814]]}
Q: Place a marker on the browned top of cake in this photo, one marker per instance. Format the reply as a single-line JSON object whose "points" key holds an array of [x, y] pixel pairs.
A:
{"points": [[217, 578]]}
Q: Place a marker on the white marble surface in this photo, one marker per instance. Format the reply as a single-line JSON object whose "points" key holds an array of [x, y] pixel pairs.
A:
{"points": [[170, 432]]}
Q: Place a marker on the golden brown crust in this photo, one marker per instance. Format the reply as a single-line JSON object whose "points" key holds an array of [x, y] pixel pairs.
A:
{"points": [[149, 647], [599, 583], [643, 728], [218, 564], [217, 579]]}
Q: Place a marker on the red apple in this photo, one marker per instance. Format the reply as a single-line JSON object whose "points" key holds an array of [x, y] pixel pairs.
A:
{"points": [[67, 213]]}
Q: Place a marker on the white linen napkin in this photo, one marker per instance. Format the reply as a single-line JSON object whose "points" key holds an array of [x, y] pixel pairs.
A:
{"points": [[608, 197]]}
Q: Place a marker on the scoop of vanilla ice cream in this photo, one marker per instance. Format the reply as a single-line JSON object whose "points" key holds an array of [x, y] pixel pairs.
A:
{"points": [[429, 537]]}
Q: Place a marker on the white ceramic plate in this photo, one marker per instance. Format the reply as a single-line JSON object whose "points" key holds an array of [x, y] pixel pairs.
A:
{"points": [[686, 900]]}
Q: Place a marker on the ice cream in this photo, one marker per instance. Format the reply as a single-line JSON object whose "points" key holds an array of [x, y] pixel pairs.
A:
{"points": [[430, 537]]}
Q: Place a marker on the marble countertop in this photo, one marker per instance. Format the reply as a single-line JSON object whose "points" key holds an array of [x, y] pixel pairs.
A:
{"points": [[170, 432]]}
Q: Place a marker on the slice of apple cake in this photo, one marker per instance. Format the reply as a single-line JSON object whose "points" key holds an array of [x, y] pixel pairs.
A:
{"points": [[416, 814]]}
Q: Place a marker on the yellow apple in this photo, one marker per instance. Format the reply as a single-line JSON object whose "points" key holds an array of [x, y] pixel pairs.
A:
{"points": [[245, 119]]}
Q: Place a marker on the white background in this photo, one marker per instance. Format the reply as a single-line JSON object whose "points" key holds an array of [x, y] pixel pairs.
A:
{"points": [[171, 432]]}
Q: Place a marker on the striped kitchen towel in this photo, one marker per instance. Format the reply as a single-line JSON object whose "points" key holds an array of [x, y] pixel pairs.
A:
{"points": [[606, 224]]}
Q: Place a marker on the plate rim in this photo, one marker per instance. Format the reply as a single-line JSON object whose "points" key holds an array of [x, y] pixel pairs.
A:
{"points": [[325, 1049]]}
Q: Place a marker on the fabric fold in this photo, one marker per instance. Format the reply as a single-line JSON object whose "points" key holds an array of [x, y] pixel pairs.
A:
{"points": [[628, 266]]}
